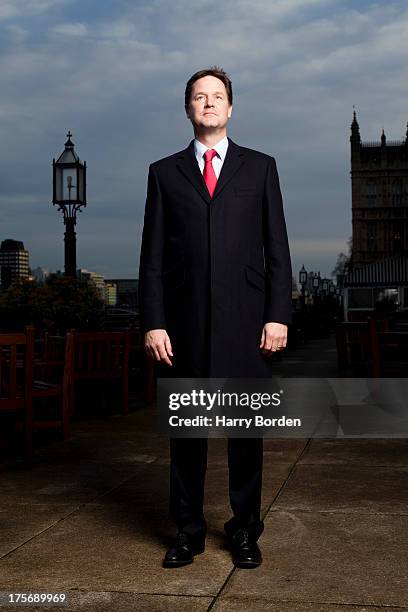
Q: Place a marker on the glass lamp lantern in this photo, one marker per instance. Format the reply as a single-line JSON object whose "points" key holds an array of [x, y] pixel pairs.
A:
{"points": [[69, 178], [302, 276]]}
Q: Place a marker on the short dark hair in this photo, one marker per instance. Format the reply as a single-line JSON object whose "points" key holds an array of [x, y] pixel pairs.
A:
{"points": [[214, 71]]}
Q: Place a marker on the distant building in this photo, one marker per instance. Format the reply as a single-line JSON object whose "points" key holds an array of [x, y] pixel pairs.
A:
{"points": [[97, 280], [13, 262], [40, 274], [379, 184], [127, 292], [377, 274], [111, 293], [379, 285]]}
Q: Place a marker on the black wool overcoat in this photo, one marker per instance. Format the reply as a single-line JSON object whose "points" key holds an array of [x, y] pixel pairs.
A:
{"points": [[214, 270]]}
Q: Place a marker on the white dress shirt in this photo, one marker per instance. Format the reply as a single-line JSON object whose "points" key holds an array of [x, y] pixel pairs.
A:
{"points": [[221, 148]]}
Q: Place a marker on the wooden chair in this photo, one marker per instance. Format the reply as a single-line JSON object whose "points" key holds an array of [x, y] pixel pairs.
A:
{"points": [[21, 386], [16, 379], [56, 380], [49, 357], [102, 356]]}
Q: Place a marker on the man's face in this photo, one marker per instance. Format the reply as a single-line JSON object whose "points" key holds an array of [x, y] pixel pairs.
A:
{"points": [[209, 106]]}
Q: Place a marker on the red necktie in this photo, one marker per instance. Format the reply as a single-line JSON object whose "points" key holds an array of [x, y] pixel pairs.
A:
{"points": [[209, 174]]}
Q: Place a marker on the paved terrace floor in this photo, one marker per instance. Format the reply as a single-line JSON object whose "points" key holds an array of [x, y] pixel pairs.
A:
{"points": [[90, 518]]}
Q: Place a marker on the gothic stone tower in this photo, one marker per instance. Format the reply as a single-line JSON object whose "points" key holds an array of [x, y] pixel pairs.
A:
{"points": [[379, 191]]}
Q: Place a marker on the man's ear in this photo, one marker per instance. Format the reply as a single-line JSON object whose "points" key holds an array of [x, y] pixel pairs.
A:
{"points": [[230, 112]]}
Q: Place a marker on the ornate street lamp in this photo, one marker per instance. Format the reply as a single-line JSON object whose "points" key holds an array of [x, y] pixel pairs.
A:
{"points": [[69, 193], [303, 281], [316, 285], [302, 276]]}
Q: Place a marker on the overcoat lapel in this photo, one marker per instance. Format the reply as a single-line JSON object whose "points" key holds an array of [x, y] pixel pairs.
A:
{"points": [[232, 162], [187, 163]]}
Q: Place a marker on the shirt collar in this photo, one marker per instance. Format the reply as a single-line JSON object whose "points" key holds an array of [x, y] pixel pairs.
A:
{"points": [[221, 148]]}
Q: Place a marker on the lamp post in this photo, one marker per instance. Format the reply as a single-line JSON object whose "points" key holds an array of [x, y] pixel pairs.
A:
{"points": [[303, 281], [316, 283], [69, 193]]}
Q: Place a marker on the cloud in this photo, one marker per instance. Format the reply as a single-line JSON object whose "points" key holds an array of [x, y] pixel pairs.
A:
{"points": [[10, 9], [17, 33], [115, 75], [70, 29]]}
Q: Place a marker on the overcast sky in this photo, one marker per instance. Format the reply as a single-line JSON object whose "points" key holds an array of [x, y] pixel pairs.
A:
{"points": [[114, 74]]}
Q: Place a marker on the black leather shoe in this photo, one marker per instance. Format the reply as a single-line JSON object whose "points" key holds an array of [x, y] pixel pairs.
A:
{"points": [[245, 550], [183, 550]]}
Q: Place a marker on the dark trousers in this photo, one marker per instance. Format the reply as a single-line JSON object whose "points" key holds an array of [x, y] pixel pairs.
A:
{"points": [[187, 476]]}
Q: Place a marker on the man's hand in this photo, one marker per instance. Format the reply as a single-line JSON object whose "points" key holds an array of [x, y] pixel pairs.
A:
{"points": [[158, 345], [274, 337]]}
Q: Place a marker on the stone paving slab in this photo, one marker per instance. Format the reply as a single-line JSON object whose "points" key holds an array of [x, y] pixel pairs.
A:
{"points": [[77, 482], [111, 443], [150, 485], [109, 548], [285, 450], [260, 604], [370, 452], [20, 522], [90, 601], [345, 488], [329, 558], [152, 490]]}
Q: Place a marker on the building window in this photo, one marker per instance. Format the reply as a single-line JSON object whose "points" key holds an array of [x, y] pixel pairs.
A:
{"points": [[371, 194], [397, 193], [386, 296]]}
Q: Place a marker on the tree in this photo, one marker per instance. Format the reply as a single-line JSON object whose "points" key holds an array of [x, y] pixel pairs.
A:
{"points": [[343, 260], [57, 305], [341, 263]]}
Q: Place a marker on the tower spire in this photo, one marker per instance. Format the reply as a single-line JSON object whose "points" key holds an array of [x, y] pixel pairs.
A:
{"points": [[355, 138]]}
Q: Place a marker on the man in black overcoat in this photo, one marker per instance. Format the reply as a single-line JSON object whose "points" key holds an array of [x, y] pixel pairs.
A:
{"points": [[215, 287]]}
